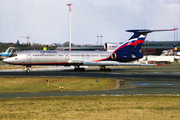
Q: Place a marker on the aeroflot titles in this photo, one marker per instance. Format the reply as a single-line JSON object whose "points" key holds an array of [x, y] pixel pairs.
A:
{"points": [[79, 55], [48, 51]]}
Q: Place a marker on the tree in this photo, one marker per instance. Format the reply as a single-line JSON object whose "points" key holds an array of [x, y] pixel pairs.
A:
{"points": [[17, 43], [66, 44]]}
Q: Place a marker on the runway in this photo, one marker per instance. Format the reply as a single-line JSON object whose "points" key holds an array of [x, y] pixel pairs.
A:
{"points": [[136, 82], [95, 73]]}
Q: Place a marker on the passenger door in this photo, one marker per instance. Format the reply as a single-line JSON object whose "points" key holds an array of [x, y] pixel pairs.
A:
{"points": [[66, 55], [28, 54]]}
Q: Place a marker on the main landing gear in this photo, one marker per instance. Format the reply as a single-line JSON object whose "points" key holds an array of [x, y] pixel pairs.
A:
{"points": [[77, 68], [104, 69]]}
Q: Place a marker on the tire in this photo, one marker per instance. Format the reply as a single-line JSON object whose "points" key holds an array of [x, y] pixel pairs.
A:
{"points": [[28, 70]]}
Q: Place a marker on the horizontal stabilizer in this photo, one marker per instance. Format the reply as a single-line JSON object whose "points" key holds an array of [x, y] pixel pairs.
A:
{"points": [[149, 31]]}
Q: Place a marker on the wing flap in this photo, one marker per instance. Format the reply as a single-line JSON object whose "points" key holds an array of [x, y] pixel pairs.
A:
{"points": [[76, 62]]}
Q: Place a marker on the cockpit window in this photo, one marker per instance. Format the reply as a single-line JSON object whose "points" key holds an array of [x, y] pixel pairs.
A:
{"points": [[13, 55]]}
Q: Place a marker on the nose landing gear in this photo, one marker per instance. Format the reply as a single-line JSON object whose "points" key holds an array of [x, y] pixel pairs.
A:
{"points": [[28, 68]]}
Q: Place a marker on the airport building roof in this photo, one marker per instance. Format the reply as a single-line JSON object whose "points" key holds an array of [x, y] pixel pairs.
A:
{"points": [[147, 45], [160, 44], [82, 48]]}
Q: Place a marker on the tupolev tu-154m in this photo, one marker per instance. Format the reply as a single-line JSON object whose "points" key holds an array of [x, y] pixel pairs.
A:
{"points": [[126, 52]]}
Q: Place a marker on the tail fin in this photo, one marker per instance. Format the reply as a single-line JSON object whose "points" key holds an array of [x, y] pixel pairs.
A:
{"points": [[175, 48], [135, 42], [8, 50]]}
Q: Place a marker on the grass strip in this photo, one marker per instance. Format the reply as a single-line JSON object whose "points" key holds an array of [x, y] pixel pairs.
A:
{"points": [[147, 107], [39, 84]]}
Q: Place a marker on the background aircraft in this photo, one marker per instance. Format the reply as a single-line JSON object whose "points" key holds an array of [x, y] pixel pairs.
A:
{"points": [[7, 52], [126, 52], [176, 50]]}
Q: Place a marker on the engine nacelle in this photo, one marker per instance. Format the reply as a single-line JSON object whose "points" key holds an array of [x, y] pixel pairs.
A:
{"points": [[122, 57]]}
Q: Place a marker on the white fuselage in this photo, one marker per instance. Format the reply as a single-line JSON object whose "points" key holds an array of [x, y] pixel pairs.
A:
{"points": [[54, 57]]}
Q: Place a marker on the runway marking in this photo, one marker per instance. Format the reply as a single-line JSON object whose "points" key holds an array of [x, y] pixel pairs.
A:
{"points": [[34, 92], [150, 84], [121, 73]]}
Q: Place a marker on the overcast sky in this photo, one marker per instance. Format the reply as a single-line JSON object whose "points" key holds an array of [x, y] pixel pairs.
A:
{"points": [[47, 21]]}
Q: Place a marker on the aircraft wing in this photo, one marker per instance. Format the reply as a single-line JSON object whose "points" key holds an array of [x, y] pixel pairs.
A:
{"points": [[117, 64], [109, 63], [79, 62]]}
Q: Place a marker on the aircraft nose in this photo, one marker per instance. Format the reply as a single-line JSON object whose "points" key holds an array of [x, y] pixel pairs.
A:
{"points": [[6, 60]]}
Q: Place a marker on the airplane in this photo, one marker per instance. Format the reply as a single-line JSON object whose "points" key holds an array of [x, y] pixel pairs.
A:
{"points": [[176, 50], [126, 52], [7, 52]]}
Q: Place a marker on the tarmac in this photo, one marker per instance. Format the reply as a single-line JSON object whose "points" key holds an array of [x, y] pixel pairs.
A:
{"points": [[138, 81]]}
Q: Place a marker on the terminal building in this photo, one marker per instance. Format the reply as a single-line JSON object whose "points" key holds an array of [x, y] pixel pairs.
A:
{"points": [[156, 47], [148, 48], [84, 48]]}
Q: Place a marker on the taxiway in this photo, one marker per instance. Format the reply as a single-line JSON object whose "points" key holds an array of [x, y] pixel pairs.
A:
{"points": [[138, 82]]}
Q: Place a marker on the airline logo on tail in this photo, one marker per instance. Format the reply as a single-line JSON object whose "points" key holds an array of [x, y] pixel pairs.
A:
{"points": [[133, 44]]}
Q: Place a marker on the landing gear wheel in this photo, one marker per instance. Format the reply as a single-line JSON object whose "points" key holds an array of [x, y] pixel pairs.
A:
{"points": [[28, 70]]}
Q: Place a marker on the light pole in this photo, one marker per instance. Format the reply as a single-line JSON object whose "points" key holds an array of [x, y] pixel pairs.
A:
{"points": [[101, 39], [69, 26], [98, 40]]}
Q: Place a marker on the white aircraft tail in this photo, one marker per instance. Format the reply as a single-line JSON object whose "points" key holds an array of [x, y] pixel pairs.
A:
{"points": [[9, 50]]}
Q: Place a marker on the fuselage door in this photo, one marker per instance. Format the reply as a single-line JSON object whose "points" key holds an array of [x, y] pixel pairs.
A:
{"points": [[66, 54], [28, 54]]}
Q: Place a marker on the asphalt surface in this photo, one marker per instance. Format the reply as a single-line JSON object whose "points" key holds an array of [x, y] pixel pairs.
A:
{"points": [[141, 82]]}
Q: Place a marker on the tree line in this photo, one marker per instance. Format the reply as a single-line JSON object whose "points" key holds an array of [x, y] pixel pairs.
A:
{"points": [[34, 46]]}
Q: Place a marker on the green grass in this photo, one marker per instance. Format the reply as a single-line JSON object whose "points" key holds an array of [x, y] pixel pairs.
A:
{"points": [[13, 67], [92, 107], [38, 84]]}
